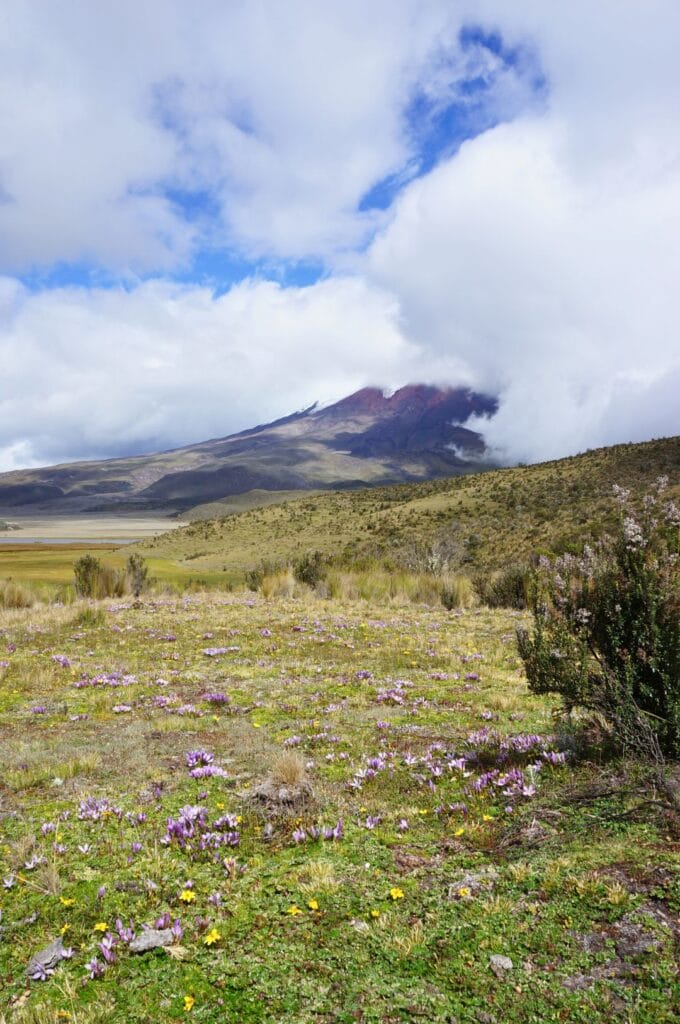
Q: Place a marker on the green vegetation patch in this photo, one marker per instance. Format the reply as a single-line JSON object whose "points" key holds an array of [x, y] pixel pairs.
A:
{"points": [[331, 812]]}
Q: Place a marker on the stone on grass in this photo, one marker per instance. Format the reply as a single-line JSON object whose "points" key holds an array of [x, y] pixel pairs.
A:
{"points": [[47, 959], [153, 938], [500, 965]]}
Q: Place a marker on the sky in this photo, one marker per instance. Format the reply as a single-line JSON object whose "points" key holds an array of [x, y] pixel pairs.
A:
{"points": [[213, 215]]}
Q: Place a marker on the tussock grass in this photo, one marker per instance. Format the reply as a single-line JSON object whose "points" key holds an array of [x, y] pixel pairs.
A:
{"points": [[13, 595], [288, 769]]}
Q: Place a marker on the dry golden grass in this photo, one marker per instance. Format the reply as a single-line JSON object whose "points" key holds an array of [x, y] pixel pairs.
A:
{"points": [[288, 769]]}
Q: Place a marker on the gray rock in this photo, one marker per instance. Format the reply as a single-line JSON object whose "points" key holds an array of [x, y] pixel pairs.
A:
{"points": [[500, 965], [631, 940], [154, 938], [46, 959]]}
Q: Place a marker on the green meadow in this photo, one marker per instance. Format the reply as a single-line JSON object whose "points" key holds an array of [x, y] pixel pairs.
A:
{"points": [[442, 823], [326, 803]]}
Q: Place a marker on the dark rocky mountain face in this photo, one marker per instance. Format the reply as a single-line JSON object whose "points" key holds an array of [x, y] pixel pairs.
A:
{"points": [[367, 438]]}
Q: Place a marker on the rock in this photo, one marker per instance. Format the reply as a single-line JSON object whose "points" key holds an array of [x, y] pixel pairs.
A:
{"points": [[154, 938], [276, 797], [47, 959], [631, 940], [577, 982], [590, 942], [500, 965], [485, 879]]}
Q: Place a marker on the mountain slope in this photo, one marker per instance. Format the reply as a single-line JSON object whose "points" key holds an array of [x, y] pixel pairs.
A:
{"points": [[367, 438], [481, 522]]}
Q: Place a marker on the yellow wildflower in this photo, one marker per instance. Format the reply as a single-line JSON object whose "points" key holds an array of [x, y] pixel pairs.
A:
{"points": [[459, 831], [187, 895], [188, 1003], [487, 817], [312, 904], [66, 901], [101, 926], [293, 910], [65, 928], [464, 891], [212, 937], [375, 913], [396, 893]]}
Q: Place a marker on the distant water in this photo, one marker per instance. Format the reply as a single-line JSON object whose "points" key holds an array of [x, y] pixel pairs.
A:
{"points": [[16, 538]]}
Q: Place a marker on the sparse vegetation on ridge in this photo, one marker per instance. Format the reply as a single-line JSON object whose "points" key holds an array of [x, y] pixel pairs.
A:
{"points": [[480, 524]]}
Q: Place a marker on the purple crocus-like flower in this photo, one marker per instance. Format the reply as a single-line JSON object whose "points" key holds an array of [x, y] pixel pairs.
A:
{"points": [[403, 825], [39, 709], [299, 835], [335, 833], [101, 892], [196, 758], [371, 821], [125, 934], [95, 968], [40, 972], [107, 947], [9, 881], [163, 921], [62, 660], [265, 632], [135, 847], [215, 899], [177, 930]]}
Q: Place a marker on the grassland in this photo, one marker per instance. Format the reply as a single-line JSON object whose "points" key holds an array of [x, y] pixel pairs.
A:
{"points": [[453, 825], [483, 522]]}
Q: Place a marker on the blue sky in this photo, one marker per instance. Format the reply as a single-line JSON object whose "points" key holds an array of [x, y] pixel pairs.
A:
{"points": [[263, 205], [432, 124]]}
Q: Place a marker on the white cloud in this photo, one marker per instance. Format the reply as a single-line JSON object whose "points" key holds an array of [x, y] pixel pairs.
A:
{"points": [[112, 371], [541, 260], [556, 294]]}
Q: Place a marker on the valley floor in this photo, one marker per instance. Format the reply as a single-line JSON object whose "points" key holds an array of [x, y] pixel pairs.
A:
{"points": [[449, 862]]}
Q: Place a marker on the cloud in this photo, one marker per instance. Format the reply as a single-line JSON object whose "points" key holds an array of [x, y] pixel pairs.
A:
{"points": [[556, 294], [539, 259], [107, 372], [132, 137]]}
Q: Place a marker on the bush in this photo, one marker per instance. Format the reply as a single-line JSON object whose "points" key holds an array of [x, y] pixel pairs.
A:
{"points": [[311, 568], [606, 633], [504, 589], [86, 571], [137, 573], [94, 580], [256, 575]]}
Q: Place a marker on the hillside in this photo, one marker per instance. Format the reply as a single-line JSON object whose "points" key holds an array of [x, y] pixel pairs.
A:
{"points": [[365, 439], [481, 521]]}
